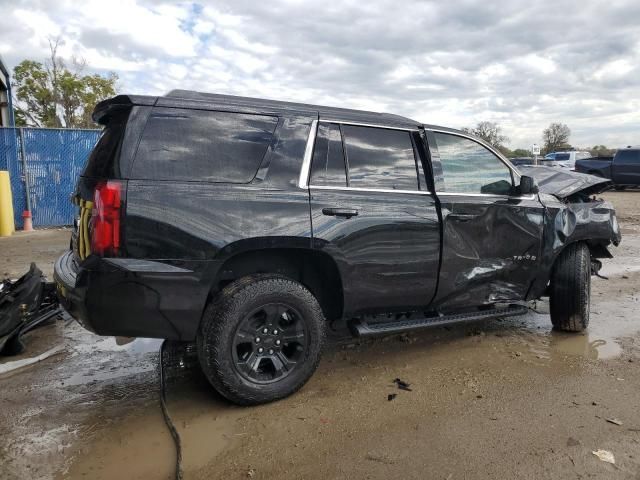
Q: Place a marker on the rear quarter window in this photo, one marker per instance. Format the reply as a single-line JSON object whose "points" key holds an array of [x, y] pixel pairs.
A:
{"points": [[103, 159], [199, 145]]}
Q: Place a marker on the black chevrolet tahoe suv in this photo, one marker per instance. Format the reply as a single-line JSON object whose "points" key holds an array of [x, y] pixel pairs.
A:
{"points": [[257, 228]]}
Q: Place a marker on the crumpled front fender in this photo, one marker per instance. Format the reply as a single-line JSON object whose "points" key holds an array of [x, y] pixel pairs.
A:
{"points": [[593, 222]]}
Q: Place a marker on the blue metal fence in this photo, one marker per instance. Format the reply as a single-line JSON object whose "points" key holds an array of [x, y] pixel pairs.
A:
{"points": [[54, 158]]}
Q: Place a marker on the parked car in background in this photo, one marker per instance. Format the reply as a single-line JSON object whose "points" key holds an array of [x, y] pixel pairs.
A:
{"points": [[564, 159], [257, 228], [517, 161], [623, 168]]}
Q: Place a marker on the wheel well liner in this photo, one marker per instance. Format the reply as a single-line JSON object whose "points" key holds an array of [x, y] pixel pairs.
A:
{"points": [[314, 269]]}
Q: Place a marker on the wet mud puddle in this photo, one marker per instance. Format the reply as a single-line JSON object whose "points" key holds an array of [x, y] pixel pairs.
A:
{"points": [[97, 414]]}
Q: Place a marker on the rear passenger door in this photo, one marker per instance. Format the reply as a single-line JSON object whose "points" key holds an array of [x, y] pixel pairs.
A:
{"points": [[371, 211]]}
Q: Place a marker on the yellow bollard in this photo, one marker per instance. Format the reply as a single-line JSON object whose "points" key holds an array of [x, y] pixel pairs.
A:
{"points": [[7, 225]]}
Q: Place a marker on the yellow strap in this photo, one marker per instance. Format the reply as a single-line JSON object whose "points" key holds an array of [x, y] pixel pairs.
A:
{"points": [[84, 245]]}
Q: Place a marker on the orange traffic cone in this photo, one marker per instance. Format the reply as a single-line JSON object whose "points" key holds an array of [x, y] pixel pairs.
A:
{"points": [[27, 225]]}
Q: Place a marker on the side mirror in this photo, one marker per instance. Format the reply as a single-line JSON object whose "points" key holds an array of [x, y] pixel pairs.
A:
{"points": [[528, 185]]}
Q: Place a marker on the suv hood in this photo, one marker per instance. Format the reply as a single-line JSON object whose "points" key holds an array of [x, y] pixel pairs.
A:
{"points": [[563, 183]]}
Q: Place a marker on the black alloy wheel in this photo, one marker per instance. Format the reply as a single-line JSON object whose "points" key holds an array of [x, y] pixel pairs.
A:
{"points": [[269, 342]]}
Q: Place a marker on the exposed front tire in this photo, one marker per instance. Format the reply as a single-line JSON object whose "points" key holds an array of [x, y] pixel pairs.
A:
{"points": [[571, 289], [261, 339]]}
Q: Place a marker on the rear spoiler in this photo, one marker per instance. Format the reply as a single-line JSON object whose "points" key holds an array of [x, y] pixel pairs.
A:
{"points": [[106, 108]]}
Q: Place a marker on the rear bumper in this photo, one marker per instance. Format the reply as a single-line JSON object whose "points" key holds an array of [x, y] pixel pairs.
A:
{"points": [[70, 297], [135, 298]]}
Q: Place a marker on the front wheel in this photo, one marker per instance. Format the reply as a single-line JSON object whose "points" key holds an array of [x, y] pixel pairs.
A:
{"points": [[261, 339], [571, 289]]}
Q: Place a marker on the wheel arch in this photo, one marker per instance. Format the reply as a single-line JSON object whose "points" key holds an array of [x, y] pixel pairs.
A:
{"points": [[597, 249], [316, 270]]}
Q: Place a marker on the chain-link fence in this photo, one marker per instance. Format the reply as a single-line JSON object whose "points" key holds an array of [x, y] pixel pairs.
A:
{"points": [[54, 157]]}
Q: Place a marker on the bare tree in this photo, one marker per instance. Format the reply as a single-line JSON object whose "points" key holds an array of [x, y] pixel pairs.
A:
{"points": [[556, 137], [490, 132]]}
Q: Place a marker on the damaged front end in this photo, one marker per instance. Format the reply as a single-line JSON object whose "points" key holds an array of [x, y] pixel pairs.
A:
{"points": [[573, 214]]}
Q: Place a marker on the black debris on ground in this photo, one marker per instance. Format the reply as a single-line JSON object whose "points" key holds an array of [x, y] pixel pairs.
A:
{"points": [[402, 385]]}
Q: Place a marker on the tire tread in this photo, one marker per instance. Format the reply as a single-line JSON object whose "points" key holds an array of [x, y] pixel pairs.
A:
{"points": [[221, 315], [570, 289]]}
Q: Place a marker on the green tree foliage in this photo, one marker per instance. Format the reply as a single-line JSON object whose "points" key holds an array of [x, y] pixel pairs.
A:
{"points": [[556, 138], [50, 94], [601, 150], [490, 132], [521, 152]]}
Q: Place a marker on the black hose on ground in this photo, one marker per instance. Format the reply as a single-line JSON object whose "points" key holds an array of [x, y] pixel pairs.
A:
{"points": [[167, 418]]}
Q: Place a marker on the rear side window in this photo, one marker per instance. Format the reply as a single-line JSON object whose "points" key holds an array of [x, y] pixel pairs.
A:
{"points": [[380, 158], [103, 160], [328, 157], [199, 145]]}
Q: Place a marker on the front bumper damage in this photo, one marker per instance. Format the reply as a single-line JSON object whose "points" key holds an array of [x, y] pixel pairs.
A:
{"points": [[573, 214]]}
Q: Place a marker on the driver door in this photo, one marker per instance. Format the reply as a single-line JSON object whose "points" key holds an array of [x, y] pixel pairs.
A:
{"points": [[492, 236]]}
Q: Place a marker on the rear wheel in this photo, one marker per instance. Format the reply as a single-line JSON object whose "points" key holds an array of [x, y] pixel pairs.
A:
{"points": [[571, 289], [261, 339]]}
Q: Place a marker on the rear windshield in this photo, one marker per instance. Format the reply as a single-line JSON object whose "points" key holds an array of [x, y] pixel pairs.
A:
{"points": [[102, 162], [200, 145], [562, 156]]}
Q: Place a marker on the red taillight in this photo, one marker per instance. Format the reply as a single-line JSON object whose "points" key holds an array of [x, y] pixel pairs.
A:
{"points": [[105, 219]]}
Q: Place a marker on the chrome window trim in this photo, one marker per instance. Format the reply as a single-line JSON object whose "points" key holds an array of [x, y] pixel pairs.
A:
{"points": [[379, 190], [495, 195], [374, 125], [418, 192], [303, 180]]}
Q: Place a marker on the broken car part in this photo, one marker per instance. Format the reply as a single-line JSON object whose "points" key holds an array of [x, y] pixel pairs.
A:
{"points": [[24, 304]]}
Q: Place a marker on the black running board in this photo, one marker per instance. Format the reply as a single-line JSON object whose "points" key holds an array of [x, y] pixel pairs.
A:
{"points": [[362, 328]]}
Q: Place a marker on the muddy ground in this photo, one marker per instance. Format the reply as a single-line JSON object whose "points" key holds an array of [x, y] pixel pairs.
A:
{"points": [[507, 398]]}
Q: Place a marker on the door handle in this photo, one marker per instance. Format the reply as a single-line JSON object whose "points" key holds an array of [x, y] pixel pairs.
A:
{"points": [[340, 212]]}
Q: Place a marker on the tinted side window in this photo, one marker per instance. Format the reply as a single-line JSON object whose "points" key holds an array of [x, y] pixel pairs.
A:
{"points": [[102, 161], [202, 145], [627, 156], [327, 167], [468, 167], [380, 158]]}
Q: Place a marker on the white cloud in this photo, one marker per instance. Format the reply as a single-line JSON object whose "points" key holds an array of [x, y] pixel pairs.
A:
{"points": [[615, 68], [519, 64]]}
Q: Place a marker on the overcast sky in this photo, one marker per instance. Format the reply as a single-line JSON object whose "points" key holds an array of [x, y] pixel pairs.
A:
{"points": [[453, 63]]}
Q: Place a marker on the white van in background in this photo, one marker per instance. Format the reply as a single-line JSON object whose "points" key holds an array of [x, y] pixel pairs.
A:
{"points": [[564, 159]]}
